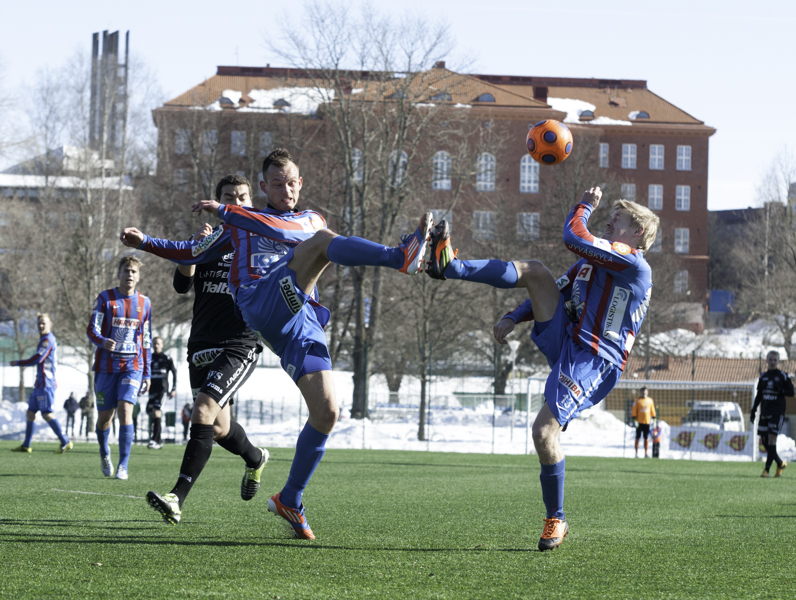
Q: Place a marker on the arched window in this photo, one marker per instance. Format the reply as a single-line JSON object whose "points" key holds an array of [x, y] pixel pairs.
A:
{"points": [[441, 97], [396, 169], [281, 103], [485, 175], [529, 175], [442, 171], [485, 98], [357, 165]]}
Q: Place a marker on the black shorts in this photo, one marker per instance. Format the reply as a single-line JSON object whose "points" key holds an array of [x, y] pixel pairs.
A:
{"points": [[770, 424], [643, 428], [220, 371], [155, 402]]}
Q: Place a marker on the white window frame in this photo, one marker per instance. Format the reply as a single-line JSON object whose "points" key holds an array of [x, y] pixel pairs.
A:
{"points": [[266, 143], [657, 243], [237, 143], [440, 214], [527, 226], [682, 197], [182, 141], [681, 240], [681, 282], [209, 141], [628, 191], [655, 196], [485, 174], [441, 171], [529, 175], [484, 222], [629, 153], [656, 157], [358, 165], [603, 156], [683, 158]]}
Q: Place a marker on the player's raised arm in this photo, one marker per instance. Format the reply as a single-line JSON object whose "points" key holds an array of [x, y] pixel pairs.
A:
{"points": [[131, 237]]}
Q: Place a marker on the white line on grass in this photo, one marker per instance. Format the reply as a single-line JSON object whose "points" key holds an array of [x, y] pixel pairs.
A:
{"points": [[100, 494]]}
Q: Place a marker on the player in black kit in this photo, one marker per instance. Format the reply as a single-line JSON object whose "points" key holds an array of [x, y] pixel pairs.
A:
{"points": [[772, 389], [161, 366], [222, 352]]}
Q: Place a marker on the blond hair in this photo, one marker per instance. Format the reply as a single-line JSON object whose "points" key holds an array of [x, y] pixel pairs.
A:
{"points": [[641, 216], [130, 259], [44, 316]]}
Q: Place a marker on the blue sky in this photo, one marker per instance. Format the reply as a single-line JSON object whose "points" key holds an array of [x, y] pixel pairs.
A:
{"points": [[727, 63]]}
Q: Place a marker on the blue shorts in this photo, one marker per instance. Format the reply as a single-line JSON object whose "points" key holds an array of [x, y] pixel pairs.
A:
{"points": [[112, 388], [41, 400], [289, 321], [579, 379]]}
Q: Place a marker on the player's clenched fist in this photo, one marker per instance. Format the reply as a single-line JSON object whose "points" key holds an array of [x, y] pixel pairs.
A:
{"points": [[502, 329], [131, 237], [592, 196]]}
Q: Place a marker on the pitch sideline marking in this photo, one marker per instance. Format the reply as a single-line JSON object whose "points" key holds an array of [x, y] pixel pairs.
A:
{"points": [[99, 494]]}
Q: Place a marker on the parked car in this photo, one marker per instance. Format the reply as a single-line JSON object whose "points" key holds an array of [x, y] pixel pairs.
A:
{"points": [[724, 416]]}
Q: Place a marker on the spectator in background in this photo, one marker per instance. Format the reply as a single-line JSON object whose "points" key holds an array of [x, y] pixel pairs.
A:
{"points": [[70, 406], [86, 405], [186, 420], [643, 413]]}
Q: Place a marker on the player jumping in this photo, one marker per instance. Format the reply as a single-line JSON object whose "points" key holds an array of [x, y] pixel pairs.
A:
{"points": [[43, 394], [279, 255], [585, 322]]}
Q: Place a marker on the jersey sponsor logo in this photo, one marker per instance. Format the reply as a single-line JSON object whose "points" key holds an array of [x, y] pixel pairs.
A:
{"points": [[621, 248], [591, 253], [205, 243], [214, 387], [616, 313], [45, 343], [290, 369], [215, 375], [585, 273], [639, 313], [602, 244], [562, 282], [235, 375], [289, 294], [205, 357], [147, 337], [122, 323], [262, 260], [226, 260], [568, 383], [216, 288], [98, 317], [316, 222], [125, 348]]}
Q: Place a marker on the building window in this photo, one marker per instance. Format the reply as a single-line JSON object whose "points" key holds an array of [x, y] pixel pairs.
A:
{"points": [[629, 191], [266, 143], [683, 158], [238, 145], [358, 165], [182, 141], [396, 169], [527, 226], [655, 196], [657, 243], [209, 141], [656, 157], [681, 240], [442, 214], [485, 176], [628, 156], [681, 282], [604, 156], [484, 225], [683, 197], [441, 165], [529, 175], [487, 97]]}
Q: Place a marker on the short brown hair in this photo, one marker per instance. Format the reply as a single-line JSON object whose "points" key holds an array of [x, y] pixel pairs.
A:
{"points": [[641, 216], [278, 158], [129, 259], [232, 179]]}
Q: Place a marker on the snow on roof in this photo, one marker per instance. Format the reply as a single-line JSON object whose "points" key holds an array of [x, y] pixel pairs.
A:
{"points": [[233, 96], [574, 108], [297, 100], [61, 182]]}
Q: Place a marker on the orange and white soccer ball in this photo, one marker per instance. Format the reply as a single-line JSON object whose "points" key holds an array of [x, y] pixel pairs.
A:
{"points": [[549, 142]]}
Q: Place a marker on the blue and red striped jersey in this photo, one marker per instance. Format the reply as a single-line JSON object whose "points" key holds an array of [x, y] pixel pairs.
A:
{"points": [[608, 290], [127, 320], [44, 359]]}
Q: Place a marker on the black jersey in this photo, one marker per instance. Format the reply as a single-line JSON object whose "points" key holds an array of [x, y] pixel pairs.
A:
{"points": [[772, 387], [161, 366], [215, 321]]}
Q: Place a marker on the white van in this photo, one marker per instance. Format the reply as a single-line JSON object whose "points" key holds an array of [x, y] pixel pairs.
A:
{"points": [[724, 416]]}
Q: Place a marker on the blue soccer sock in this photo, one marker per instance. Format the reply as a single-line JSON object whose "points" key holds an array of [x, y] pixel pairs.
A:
{"points": [[310, 448], [30, 429], [102, 439], [496, 273], [552, 478], [125, 443], [56, 427], [355, 252]]}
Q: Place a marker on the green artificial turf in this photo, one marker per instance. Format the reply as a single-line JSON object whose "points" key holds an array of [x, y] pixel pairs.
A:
{"points": [[394, 524]]}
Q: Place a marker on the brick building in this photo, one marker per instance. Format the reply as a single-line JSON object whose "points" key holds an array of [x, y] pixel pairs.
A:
{"points": [[656, 152]]}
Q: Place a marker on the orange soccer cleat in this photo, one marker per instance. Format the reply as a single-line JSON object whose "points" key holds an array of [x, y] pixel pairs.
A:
{"points": [[294, 516], [555, 530]]}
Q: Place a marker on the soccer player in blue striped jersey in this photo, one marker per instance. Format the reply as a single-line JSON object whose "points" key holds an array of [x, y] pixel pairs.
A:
{"points": [[585, 322], [43, 394], [120, 327]]}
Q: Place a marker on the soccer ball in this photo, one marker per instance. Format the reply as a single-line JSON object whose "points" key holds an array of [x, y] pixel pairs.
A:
{"points": [[549, 142]]}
